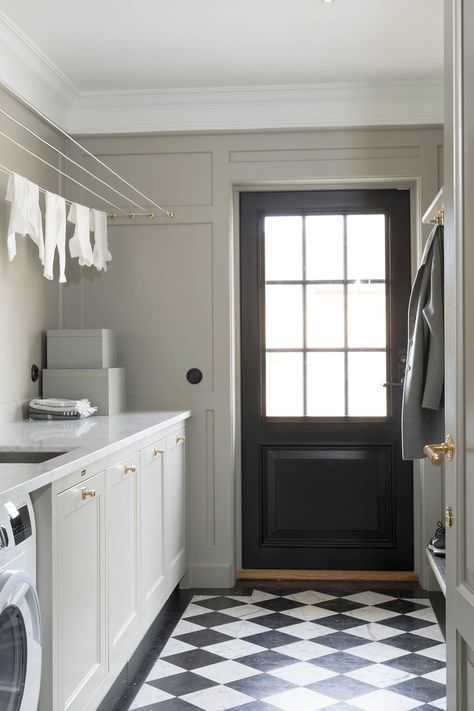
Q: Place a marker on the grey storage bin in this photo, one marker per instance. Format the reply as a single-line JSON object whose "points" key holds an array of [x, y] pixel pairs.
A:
{"points": [[81, 348], [104, 387]]}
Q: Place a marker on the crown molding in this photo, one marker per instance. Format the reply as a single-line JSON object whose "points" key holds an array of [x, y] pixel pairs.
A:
{"points": [[26, 69], [257, 108]]}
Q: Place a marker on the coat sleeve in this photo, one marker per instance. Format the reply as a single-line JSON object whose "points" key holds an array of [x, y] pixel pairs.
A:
{"points": [[433, 314]]}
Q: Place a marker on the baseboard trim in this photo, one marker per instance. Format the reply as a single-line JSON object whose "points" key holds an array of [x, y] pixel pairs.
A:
{"points": [[284, 574]]}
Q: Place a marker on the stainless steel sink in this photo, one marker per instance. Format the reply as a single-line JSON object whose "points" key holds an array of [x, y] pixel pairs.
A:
{"points": [[26, 456]]}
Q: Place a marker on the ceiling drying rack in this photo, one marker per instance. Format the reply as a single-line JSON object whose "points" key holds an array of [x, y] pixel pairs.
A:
{"points": [[131, 214]]}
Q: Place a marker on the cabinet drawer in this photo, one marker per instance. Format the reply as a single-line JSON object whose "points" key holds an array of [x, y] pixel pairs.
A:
{"points": [[153, 452], [177, 439]]}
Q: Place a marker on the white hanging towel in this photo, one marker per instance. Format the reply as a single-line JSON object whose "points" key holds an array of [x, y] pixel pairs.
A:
{"points": [[55, 235], [80, 243], [25, 214], [101, 249]]}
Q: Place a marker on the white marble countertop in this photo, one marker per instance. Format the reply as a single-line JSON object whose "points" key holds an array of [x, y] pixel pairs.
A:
{"points": [[82, 441]]}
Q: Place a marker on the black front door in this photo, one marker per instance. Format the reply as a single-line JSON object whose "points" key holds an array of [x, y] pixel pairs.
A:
{"points": [[325, 282]]}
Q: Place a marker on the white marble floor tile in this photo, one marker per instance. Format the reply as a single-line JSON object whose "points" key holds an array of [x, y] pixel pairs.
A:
{"points": [[234, 648], [240, 629], [425, 614], [225, 672], [431, 632], [185, 626], [438, 652], [308, 613], [217, 698], [175, 646], [245, 612], [438, 675], [255, 596], [439, 703], [307, 630], [369, 598], [300, 700], [303, 673], [378, 652], [309, 597], [192, 610], [304, 650], [380, 675], [147, 696], [161, 668], [386, 701], [374, 631], [198, 598], [372, 614]]}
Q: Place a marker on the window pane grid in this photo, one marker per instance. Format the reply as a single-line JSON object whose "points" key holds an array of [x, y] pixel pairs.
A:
{"points": [[349, 365]]}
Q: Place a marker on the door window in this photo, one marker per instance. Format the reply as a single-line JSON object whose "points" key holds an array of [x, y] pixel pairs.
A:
{"points": [[325, 334]]}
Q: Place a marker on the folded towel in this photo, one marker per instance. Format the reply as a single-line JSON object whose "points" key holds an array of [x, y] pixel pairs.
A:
{"points": [[52, 402], [75, 415], [62, 413]]}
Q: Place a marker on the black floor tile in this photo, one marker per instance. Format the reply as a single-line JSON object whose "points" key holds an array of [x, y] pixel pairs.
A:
{"points": [[261, 685], [266, 661], [421, 689]]}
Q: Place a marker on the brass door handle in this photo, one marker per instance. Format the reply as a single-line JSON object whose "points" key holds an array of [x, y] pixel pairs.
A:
{"points": [[87, 493], [437, 452], [157, 451], [129, 469]]}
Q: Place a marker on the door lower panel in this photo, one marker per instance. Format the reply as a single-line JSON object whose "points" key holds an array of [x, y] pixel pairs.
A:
{"points": [[327, 497]]}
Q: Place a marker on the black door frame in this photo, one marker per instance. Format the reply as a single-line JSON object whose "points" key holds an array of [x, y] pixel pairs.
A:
{"points": [[351, 188]]}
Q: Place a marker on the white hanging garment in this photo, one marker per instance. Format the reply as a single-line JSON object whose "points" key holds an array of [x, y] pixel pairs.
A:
{"points": [[101, 249], [25, 214], [55, 235], [80, 243]]}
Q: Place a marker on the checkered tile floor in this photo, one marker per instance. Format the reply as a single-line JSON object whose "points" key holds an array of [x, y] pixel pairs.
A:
{"points": [[300, 651]]}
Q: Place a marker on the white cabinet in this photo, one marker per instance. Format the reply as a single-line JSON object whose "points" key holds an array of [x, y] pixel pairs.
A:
{"points": [[122, 555], [175, 507], [80, 593], [111, 549], [151, 530]]}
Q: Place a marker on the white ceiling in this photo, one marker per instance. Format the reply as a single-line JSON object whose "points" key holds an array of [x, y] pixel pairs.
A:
{"points": [[104, 45], [171, 65]]}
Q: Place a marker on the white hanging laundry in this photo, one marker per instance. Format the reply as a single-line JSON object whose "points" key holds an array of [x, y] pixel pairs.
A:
{"points": [[80, 243], [55, 235], [101, 249], [25, 214]]}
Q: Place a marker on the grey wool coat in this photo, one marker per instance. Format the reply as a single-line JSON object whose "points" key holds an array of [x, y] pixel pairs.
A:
{"points": [[423, 387]]}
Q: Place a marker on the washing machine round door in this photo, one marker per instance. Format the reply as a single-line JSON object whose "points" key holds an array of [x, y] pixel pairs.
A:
{"points": [[20, 642]]}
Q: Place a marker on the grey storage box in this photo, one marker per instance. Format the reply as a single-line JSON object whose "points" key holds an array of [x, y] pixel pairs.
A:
{"points": [[81, 348], [104, 387]]}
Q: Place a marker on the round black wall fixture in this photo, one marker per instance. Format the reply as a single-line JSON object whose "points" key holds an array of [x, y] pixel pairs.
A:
{"points": [[194, 376], [35, 373]]}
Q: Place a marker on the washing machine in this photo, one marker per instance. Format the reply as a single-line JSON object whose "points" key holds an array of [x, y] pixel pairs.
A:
{"points": [[20, 619]]}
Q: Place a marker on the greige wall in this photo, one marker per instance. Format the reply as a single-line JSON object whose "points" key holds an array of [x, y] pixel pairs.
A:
{"points": [[28, 302], [171, 291]]}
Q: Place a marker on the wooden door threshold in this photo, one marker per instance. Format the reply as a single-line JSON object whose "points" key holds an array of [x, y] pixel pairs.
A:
{"points": [[284, 574]]}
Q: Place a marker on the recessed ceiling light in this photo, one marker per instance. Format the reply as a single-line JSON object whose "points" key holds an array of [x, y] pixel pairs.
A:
{"points": [[328, 1]]}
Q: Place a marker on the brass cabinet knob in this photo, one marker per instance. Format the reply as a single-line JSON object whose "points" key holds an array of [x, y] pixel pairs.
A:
{"points": [[180, 438], [87, 493], [437, 452], [158, 451], [129, 469]]}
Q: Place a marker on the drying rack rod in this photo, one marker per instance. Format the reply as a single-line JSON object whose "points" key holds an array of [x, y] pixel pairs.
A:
{"points": [[114, 215]]}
